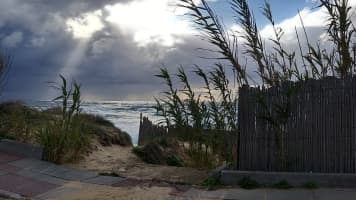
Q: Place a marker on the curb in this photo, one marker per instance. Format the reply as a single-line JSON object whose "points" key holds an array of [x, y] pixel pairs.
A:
{"points": [[10, 195], [296, 179]]}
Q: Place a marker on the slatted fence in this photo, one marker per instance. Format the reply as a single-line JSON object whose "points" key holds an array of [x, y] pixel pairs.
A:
{"points": [[307, 126], [149, 131]]}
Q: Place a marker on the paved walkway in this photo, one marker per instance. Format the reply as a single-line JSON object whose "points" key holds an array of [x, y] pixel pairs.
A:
{"points": [[26, 177], [30, 177]]}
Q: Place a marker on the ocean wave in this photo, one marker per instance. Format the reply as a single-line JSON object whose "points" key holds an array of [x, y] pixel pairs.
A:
{"points": [[124, 114]]}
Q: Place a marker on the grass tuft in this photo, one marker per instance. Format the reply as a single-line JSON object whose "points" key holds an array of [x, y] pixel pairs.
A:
{"points": [[248, 183], [310, 185], [211, 182], [282, 185]]}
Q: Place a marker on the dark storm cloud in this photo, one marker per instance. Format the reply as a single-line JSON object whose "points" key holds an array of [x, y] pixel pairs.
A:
{"points": [[110, 65]]}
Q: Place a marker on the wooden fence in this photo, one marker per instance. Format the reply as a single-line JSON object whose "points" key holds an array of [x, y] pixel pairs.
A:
{"points": [[149, 131], [217, 139], [307, 126]]}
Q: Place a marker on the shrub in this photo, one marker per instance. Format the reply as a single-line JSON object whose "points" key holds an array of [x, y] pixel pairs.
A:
{"points": [[19, 122], [173, 160], [151, 153]]}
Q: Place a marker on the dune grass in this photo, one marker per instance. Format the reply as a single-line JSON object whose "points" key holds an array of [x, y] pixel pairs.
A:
{"points": [[5, 64], [67, 137], [65, 132]]}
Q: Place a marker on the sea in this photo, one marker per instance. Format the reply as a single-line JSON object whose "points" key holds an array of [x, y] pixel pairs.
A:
{"points": [[123, 114]]}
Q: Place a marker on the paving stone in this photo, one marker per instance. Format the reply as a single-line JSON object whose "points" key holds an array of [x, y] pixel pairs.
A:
{"points": [[3, 172], [104, 180], [60, 192], [291, 194], [68, 173], [8, 168], [32, 164], [57, 193], [41, 177], [241, 194], [197, 194], [335, 194], [178, 190], [24, 186], [129, 183], [5, 157], [21, 149], [178, 198]]}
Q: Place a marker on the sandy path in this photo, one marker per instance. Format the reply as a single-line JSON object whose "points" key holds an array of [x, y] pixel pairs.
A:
{"points": [[124, 163], [80, 191]]}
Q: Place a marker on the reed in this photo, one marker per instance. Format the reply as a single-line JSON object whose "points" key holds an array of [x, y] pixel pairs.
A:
{"points": [[216, 107], [64, 139], [278, 64], [5, 64], [193, 113]]}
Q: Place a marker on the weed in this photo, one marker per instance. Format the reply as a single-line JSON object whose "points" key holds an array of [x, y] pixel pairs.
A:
{"points": [[282, 185], [248, 183], [113, 174], [211, 182], [310, 185], [173, 160]]}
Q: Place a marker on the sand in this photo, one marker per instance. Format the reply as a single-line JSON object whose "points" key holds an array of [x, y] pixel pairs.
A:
{"points": [[123, 162], [80, 191]]}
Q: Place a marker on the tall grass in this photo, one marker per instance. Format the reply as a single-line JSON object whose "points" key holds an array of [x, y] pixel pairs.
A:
{"points": [[5, 64], [216, 107], [64, 139], [279, 64], [194, 114]]}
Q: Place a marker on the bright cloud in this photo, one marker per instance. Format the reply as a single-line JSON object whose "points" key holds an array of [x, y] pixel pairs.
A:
{"points": [[150, 21], [85, 25], [310, 18]]}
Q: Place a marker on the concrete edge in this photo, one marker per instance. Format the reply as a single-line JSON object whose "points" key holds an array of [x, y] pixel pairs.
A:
{"points": [[10, 195], [233, 177], [216, 173]]}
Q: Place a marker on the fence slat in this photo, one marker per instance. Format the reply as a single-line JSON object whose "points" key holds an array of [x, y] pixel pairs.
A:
{"points": [[318, 134]]}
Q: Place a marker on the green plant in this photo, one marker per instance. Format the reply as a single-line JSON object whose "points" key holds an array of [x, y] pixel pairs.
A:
{"points": [[310, 185], [173, 160], [151, 153], [185, 109], [248, 183], [211, 182], [282, 185], [64, 139], [113, 174]]}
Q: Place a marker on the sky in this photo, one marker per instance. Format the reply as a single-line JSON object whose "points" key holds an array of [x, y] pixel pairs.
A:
{"points": [[114, 47]]}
